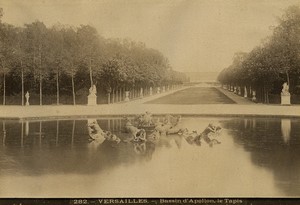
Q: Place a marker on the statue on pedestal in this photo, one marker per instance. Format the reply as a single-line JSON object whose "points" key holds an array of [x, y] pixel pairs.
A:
{"points": [[27, 98], [93, 90], [253, 95], [142, 92], [158, 90], [92, 98], [285, 94], [245, 92], [285, 89], [126, 96]]}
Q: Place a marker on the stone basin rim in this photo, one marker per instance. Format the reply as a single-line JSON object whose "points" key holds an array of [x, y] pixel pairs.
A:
{"points": [[118, 116]]}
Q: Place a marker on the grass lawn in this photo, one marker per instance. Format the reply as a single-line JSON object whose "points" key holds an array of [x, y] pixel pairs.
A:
{"points": [[195, 95]]}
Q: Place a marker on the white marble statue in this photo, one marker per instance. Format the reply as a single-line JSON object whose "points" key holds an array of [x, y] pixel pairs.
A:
{"points": [[27, 98], [93, 90], [285, 89]]}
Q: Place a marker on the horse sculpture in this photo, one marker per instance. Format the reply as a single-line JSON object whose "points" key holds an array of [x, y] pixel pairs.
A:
{"points": [[136, 133]]}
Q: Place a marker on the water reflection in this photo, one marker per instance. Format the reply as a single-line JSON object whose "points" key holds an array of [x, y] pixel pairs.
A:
{"points": [[4, 133], [286, 129], [252, 151], [274, 144]]}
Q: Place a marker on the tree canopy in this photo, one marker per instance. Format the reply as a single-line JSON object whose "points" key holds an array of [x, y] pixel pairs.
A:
{"points": [[42, 56], [275, 61]]}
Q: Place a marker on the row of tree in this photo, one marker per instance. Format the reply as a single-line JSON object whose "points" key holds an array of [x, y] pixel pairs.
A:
{"points": [[275, 61], [64, 60]]}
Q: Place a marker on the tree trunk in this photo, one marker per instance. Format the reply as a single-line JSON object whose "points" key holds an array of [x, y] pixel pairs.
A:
{"points": [[91, 75], [41, 92], [133, 94], [57, 87], [265, 95], [287, 77], [40, 67], [124, 90], [116, 95], [130, 94], [22, 79], [73, 90], [4, 88], [113, 95], [108, 98]]}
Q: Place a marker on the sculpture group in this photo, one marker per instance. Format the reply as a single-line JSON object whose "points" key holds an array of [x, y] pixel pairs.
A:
{"points": [[144, 129], [285, 94]]}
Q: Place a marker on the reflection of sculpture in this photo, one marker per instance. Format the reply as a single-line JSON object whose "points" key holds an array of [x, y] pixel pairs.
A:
{"points": [[139, 148], [285, 89], [27, 98], [286, 129], [26, 128]]}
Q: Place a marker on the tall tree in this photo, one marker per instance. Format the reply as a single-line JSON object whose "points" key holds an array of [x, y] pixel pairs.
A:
{"points": [[70, 56], [89, 49], [36, 44], [7, 41]]}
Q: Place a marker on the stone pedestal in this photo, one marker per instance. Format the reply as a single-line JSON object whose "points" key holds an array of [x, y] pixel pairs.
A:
{"points": [[285, 99], [92, 99], [126, 96], [150, 92]]}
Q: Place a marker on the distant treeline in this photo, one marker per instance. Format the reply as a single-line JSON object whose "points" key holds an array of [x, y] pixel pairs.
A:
{"points": [[275, 61], [64, 60]]}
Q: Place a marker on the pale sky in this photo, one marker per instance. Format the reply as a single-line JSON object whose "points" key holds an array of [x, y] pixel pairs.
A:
{"points": [[195, 35]]}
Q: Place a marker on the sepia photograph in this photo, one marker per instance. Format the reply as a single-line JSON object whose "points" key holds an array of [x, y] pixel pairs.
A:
{"points": [[149, 102]]}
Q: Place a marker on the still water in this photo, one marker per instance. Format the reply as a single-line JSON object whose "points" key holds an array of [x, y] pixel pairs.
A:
{"points": [[256, 157]]}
